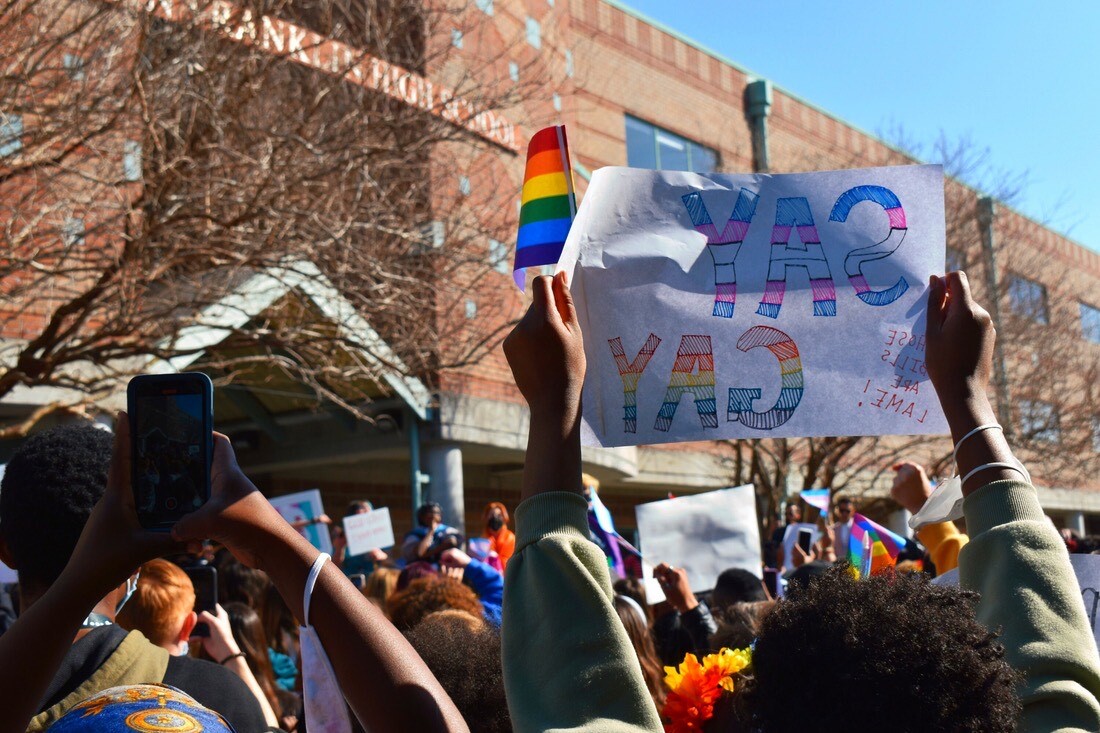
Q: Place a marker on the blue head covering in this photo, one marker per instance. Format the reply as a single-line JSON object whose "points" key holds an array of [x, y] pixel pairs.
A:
{"points": [[140, 708]]}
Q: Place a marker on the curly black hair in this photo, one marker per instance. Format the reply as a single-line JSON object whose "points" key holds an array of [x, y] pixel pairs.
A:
{"points": [[50, 486], [463, 652], [891, 652]]}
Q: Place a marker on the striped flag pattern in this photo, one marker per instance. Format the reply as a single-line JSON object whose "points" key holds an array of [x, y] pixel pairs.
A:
{"points": [[548, 203]]}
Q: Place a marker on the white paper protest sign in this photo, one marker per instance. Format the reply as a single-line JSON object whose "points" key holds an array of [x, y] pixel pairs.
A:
{"points": [[779, 305], [1087, 570], [300, 509], [370, 531], [702, 533]]}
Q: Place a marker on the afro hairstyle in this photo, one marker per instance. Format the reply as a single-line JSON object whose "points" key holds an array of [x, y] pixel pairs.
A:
{"points": [[908, 655], [50, 486], [463, 652]]}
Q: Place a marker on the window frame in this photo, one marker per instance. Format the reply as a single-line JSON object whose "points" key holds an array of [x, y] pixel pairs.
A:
{"points": [[1049, 431], [1089, 334], [690, 146], [1043, 317]]}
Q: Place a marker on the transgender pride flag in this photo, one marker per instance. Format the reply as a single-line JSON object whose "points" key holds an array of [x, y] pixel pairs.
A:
{"points": [[548, 203]]}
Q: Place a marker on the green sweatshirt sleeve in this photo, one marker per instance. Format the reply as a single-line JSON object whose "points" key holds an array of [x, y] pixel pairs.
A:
{"points": [[568, 664], [1018, 563]]}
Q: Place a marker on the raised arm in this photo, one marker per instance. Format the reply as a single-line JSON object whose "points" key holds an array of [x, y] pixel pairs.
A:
{"points": [[386, 683], [1015, 558], [112, 546], [568, 664]]}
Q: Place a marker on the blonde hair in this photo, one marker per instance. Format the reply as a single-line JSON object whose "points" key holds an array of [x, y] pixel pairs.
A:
{"points": [[380, 585], [163, 598]]}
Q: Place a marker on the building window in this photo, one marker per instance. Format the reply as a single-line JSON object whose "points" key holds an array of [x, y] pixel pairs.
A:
{"points": [[648, 146], [434, 234], [1039, 421], [556, 100], [11, 134], [131, 160], [1090, 322], [72, 232], [513, 71], [534, 33], [569, 63], [485, 6], [74, 66], [456, 38], [498, 256], [471, 309], [1028, 299], [1096, 434], [464, 185], [954, 260]]}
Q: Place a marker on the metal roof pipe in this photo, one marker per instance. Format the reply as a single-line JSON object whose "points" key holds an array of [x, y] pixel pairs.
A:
{"points": [[758, 105]]}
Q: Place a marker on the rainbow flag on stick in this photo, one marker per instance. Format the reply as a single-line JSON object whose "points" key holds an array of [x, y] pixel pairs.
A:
{"points": [[871, 547], [548, 204]]}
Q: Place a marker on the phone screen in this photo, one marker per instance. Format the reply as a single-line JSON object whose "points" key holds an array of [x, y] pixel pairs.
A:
{"points": [[170, 424], [805, 540], [205, 580], [771, 581]]}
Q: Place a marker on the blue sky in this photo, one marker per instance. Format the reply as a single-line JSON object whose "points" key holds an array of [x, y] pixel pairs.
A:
{"points": [[1019, 79]]}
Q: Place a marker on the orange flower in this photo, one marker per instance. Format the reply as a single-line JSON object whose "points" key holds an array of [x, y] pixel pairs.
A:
{"points": [[695, 687]]}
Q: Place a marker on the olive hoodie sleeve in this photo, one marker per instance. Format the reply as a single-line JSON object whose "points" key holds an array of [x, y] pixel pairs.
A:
{"points": [[1018, 563], [568, 664]]}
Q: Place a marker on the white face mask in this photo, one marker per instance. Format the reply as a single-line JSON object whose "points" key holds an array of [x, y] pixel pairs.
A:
{"points": [[325, 709]]}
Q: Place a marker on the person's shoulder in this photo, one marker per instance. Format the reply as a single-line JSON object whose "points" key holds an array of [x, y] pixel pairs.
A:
{"points": [[219, 689]]}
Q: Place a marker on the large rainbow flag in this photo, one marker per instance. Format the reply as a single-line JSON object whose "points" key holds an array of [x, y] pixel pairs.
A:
{"points": [[871, 547], [548, 203]]}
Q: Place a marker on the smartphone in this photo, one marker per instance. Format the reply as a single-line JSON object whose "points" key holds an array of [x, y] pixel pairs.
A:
{"points": [[771, 582], [805, 540], [171, 445], [359, 580], [205, 580]]}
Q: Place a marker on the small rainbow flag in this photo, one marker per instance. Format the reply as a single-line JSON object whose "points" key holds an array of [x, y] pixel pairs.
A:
{"points": [[871, 547], [548, 203]]}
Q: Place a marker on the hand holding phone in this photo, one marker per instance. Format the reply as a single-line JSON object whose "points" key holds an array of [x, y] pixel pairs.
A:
{"points": [[171, 445], [205, 580], [806, 540]]}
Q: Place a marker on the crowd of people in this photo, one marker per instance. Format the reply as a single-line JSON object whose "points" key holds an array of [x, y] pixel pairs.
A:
{"points": [[547, 627]]}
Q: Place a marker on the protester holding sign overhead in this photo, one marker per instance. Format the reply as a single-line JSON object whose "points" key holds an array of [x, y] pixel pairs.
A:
{"points": [[351, 563], [561, 637]]}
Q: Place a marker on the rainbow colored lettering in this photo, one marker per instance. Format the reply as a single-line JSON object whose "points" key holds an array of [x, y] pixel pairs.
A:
{"points": [[791, 381], [853, 263], [693, 372], [723, 247], [630, 372], [789, 213]]}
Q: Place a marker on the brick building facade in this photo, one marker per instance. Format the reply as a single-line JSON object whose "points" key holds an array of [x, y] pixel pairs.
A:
{"points": [[633, 92]]}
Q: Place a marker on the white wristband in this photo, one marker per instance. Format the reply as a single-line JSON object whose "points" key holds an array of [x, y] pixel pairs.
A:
{"points": [[311, 581], [975, 431], [998, 464]]}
